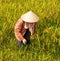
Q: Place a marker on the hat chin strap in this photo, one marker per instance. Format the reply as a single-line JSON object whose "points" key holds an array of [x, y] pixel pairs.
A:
{"points": [[25, 26]]}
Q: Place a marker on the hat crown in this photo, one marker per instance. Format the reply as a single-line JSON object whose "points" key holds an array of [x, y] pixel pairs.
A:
{"points": [[30, 17]]}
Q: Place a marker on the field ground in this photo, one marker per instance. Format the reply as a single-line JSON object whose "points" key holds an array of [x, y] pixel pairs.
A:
{"points": [[45, 45]]}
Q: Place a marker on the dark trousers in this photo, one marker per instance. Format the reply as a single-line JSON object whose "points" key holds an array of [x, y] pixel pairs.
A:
{"points": [[26, 36]]}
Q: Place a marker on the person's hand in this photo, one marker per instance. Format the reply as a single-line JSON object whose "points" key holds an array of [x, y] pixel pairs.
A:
{"points": [[24, 41]]}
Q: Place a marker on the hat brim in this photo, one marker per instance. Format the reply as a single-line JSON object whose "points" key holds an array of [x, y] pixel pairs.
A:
{"points": [[30, 17]]}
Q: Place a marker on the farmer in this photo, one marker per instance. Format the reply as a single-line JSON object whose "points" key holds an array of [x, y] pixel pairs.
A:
{"points": [[25, 27]]}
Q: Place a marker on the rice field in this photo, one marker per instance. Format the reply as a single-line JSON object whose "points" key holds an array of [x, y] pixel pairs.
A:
{"points": [[45, 44]]}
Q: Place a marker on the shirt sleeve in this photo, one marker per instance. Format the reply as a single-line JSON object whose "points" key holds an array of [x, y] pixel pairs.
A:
{"points": [[34, 29], [17, 30]]}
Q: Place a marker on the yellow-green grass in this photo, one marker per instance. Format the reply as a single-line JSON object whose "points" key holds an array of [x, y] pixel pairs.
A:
{"points": [[45, 45]]}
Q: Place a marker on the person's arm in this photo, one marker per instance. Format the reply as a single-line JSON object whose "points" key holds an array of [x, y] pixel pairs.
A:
{"points": [[17, 30], [33, 29]]}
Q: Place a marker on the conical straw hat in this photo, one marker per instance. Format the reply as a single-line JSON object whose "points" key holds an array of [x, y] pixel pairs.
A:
{"points": [[30, 17]]}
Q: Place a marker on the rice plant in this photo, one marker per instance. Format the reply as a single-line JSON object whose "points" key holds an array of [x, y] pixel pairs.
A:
{"points": [[45, 44]]}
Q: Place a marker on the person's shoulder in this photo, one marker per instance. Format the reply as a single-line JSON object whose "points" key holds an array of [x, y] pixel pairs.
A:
{"points": [[20, 20]]}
